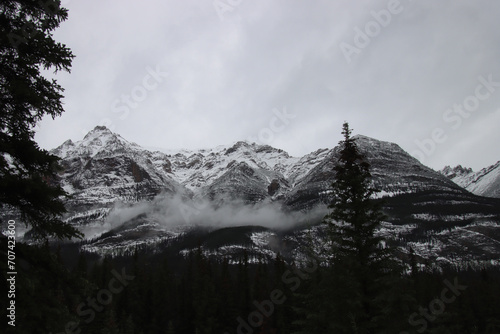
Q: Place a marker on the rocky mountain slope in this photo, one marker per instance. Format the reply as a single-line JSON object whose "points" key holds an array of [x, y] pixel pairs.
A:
{"points": [[394, 172], [104, 169], [259, 199], [485, 182]]}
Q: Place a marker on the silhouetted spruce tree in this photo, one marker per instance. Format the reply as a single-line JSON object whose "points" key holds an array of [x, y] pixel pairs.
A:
{"points": [[28, 173], [361, 260], [355, 293], [26, 96]]}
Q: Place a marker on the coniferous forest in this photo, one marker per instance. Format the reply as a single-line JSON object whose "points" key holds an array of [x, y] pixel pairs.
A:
{"points": [[154, 293]]}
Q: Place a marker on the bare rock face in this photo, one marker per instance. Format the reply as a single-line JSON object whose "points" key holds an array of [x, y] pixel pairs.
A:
{"points": [[456, 171], [273, 187]]}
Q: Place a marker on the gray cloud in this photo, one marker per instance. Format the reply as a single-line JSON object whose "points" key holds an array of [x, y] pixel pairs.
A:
{"points": [[226, 76], [173, 212]]}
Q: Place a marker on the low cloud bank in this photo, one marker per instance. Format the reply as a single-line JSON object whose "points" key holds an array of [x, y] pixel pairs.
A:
{"points": [[177, 211]]}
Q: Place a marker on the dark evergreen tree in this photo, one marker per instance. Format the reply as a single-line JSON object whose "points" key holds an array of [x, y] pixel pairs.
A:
{"points": [[360, 258], [28, 188], [357, 292], [27, 172]]}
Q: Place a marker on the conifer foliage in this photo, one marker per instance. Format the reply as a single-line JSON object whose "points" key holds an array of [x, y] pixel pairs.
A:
{"points": [[361, 262], [355, 214], [26, 96]]}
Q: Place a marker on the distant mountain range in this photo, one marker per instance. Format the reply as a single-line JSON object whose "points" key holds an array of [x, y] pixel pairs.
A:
{"points": [[485, 182], [260, 199], [104, 167]]}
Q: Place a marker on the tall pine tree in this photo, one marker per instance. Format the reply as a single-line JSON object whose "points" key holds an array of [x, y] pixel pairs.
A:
{"points": [[26, 96], [46, 291], [362, 264]]}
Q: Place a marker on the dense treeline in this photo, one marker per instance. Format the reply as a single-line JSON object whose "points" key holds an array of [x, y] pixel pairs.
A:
{"points": [[158, 293], [204, 296]]}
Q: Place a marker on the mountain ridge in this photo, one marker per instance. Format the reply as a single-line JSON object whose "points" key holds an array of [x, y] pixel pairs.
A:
{"points": [[124, 196], [212, 172], [485, 182]]}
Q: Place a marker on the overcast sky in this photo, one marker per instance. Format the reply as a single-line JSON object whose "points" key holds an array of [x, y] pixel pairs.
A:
{"points": [[201, 73]]}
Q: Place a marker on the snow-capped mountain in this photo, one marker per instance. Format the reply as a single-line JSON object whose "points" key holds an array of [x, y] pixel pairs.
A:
{"points": [[104, 168], [394, 172], [485, 182], [123, 195]]}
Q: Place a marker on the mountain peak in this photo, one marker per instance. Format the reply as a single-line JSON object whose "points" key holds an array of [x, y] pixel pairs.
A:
{"points": [[485, 182], [451, 173], [370, 141], [99, 130], [97, 141], [362, 137], [237, 146], [371, 146]]}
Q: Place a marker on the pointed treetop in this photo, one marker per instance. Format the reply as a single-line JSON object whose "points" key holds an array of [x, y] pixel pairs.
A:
{"points": [[346, 131], [348, 144]]}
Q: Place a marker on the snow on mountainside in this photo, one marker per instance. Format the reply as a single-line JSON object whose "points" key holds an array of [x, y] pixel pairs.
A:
{"points": [[257, 198], [394, 172], [203, 171], [485, 182], [104, 168]]}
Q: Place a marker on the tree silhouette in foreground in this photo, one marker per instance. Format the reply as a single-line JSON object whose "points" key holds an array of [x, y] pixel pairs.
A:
{"points": [[360, 266], [362, 261], [27, 172], [45, 290]]}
